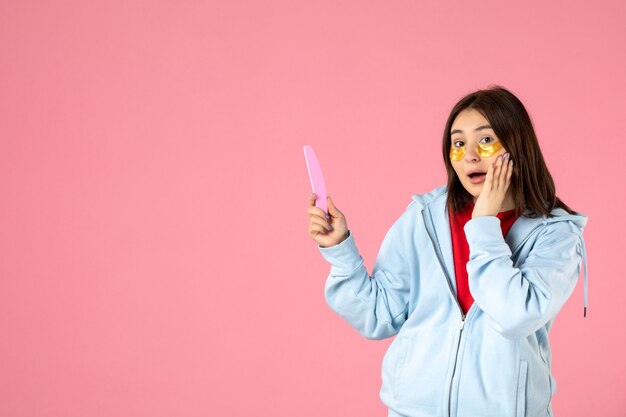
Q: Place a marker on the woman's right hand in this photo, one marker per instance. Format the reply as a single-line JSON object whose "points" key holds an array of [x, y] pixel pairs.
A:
{"points": [[326, 231]]}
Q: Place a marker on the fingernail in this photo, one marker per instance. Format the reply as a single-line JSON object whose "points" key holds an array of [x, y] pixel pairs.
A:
{"points": [[329, 227], [508, 155], [327, 216]]}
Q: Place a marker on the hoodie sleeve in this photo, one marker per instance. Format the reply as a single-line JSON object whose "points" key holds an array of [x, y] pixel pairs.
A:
{"points": [[521, 300], [376, 306]]}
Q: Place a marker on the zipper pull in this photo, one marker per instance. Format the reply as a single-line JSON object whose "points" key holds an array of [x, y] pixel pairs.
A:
{"points": [[462, 322]]}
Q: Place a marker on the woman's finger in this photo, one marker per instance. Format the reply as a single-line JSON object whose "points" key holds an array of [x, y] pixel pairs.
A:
{"points": [[504, 171], [504, 166], [315, 229], [509, 168], [316, 211], [496, 173], [488, 180], [322, 222], [509, 173]]}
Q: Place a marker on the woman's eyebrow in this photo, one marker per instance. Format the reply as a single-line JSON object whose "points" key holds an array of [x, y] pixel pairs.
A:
{"points": [[475, 130]]}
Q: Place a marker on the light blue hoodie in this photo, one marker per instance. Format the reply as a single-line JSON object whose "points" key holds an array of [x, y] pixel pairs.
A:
{"points": [[496, 360]]}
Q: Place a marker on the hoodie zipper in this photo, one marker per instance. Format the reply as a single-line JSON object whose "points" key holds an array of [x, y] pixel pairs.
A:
{"points": [[437, 249], [443, 268], [456, 360], [463, 315]]}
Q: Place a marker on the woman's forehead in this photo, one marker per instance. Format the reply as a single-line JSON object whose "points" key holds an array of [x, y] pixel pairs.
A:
{"points": [[469, 121]]}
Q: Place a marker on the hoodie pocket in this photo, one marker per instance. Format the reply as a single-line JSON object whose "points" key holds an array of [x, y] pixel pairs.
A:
{"points": [[398, 367], [521, 389]]}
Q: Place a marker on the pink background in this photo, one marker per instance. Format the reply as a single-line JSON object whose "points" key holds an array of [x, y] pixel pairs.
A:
{"points": [[154, 258]]}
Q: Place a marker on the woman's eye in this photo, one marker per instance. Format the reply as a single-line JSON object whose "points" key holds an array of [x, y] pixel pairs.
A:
{"points": [[487, 137], [456, 144]]}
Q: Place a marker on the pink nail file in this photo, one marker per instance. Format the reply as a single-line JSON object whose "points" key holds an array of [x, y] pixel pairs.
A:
{"points": [[317, 179]]}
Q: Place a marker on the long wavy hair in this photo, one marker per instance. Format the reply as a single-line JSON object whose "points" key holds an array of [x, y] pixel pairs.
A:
{"points": [[532, 185]]}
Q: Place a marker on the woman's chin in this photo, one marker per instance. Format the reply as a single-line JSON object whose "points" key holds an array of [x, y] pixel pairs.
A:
{"points": [[474, 189]]}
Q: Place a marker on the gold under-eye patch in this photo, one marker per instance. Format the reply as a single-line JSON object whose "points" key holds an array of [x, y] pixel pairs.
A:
{"points": [[484, 150]]}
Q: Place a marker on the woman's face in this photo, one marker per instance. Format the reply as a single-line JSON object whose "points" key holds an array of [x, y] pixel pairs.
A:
{"points": [[474, 148]]}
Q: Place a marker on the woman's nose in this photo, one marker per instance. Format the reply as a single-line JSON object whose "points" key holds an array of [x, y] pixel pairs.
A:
{"points": [[471, 154]]}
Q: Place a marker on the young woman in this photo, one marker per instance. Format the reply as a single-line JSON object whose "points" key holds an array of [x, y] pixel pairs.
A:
{"points": [[470, 277]]}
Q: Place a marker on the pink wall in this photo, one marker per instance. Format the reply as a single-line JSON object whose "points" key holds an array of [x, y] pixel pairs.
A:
{"points": [[154, 259]]}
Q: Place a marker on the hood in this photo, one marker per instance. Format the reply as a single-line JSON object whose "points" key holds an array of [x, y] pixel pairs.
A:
{"points": [[578, 222]]}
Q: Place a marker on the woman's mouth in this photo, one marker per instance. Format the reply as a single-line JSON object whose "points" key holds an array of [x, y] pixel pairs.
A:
{"points": [[477, 177]]}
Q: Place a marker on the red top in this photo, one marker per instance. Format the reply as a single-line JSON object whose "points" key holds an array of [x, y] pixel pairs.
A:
{"points": [[460, 250]]}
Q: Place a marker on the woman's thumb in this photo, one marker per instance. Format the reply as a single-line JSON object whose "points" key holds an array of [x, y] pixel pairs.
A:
{"points": [[331, 207]]}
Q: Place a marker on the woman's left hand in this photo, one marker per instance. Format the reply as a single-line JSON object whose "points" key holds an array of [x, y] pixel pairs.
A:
{"points": [[497, 182]]}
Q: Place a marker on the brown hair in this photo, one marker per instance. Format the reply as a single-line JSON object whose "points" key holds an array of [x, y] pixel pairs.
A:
{"points": [[532, 185]]}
